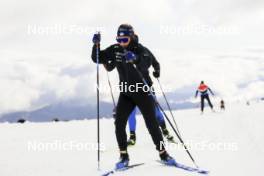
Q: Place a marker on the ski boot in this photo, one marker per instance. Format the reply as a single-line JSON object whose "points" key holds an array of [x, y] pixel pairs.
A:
{"points": [[167, 135], [167, 159], [132, 139], [123, 161]]}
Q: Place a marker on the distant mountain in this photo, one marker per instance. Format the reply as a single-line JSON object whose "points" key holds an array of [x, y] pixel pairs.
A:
{"points": [[61, 111], [69, 111]]}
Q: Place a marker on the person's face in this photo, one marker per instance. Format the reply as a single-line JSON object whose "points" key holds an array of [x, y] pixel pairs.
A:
{"points": [[123, 41]]}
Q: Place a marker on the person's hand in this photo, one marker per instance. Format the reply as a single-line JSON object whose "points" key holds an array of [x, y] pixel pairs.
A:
{"points": [[156, 73], [130, 57], [96, 38]]}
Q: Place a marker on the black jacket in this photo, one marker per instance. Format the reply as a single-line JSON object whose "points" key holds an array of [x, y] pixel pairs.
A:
{"points": [[113, 56]]}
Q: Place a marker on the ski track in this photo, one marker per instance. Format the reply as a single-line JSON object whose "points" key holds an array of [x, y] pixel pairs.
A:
{"points": [[240, 124]]}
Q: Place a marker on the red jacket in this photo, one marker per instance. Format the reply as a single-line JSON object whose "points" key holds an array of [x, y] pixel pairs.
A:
{"points": [[203, 89]]}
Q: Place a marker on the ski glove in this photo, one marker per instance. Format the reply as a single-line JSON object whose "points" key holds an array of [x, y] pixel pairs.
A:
{"points": [[130, 57], [156, 73], [97, 38]]}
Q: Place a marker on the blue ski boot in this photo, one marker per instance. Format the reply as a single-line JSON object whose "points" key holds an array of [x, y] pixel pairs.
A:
{"points": [[167, 159], [123, 162]]}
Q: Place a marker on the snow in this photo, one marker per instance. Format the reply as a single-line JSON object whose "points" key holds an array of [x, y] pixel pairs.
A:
{"points": [[240, 128]]}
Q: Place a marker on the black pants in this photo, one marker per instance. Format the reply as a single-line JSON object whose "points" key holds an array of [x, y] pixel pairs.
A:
{"points": [[126, 104], [203, 97]]}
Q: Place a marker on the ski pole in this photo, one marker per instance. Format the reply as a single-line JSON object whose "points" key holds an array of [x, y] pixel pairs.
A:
{"points": [[111, 89], [112, 95], [98, 106], [169, 107], [158, 105], [179, 137]]}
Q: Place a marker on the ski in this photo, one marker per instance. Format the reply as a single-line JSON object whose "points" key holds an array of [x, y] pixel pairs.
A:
{"points": [[188, 168], [123, 169]]}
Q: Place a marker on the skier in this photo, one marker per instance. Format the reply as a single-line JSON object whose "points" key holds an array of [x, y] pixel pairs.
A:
{"points": [[203, 90], [222, 105], [132, 127], [123, 56]]}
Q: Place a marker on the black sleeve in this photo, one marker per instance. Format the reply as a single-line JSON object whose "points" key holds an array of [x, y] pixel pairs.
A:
{"points": [[144, 58], [106, 57], [110, 65], [155, 63], [102, 55]]}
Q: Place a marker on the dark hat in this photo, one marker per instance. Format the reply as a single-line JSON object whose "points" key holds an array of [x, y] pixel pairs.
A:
{"points": [[125, 30]]}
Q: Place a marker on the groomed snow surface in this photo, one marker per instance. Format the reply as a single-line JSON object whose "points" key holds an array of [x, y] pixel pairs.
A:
{"points": [[226, 143]]}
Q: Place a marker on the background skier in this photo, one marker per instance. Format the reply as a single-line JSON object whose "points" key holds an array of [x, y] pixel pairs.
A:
{"points": [[132, 127], [203, 90], [222, 105]]}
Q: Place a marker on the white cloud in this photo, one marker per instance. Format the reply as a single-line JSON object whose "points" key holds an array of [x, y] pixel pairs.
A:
{"points": [[233, 75], [42, 69]]}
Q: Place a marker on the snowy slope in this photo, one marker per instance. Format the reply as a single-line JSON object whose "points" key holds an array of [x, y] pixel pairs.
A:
{"points": [[240, 128]]}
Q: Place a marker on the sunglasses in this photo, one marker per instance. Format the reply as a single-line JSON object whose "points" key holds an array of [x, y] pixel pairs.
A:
{"points": [[122, 39]]}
